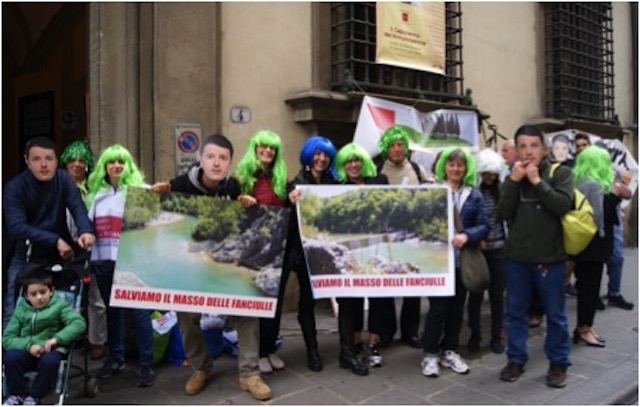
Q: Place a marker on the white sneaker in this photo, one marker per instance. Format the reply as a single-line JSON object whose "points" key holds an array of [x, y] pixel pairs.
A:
{"points": [[13, 401], [265, 366], [430, 366], [276, 362], [455, 362], [375, 359]]}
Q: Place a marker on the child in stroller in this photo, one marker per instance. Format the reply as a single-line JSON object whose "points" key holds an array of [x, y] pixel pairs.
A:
{"points": [[36, 336]]}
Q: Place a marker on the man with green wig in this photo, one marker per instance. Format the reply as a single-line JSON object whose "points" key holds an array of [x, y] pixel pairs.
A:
{"points": [[77, 159], [394, 147]]}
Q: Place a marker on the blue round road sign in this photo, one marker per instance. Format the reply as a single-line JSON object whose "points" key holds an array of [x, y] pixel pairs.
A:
{"points": [[188, 142]]}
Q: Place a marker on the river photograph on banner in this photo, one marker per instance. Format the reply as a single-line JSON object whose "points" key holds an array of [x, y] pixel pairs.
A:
{"points": [[377, 241], [199, 254]]}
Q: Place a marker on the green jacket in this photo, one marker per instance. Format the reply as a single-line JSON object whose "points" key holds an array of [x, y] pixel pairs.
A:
{"points": [[533, 214], [29, 326]]}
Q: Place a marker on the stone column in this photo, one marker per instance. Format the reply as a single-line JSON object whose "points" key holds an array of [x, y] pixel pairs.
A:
{"points": [[186, 70], [152, 65], [114, 86]]}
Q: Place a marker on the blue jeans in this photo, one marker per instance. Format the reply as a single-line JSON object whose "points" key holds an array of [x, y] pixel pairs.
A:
{"points": [[614, 265], [17, 264], [18, 362], [143, 330], [521, 278]]}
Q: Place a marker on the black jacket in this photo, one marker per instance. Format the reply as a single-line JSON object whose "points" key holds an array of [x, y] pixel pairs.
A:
{"points": [[293, 253], [379, 179], [601, 248], [191, 183]]}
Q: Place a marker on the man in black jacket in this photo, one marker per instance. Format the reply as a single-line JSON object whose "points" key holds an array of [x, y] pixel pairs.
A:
{"points": [[35, 211], [212, 178]]}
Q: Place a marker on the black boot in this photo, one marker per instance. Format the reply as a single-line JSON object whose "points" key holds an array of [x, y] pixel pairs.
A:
{"points": [[308, 326], [349, 360], [474, 343], [348, 357]]}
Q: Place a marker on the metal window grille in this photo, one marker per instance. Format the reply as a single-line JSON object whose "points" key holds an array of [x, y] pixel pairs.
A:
{"points": [[353, 49], [579, 61]]}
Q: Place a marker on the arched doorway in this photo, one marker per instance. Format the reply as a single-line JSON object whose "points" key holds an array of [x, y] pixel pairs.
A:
{"points": [[44, 76]]}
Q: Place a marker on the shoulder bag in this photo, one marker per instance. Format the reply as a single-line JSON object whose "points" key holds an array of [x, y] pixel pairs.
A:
{"points": [[473, 266]]}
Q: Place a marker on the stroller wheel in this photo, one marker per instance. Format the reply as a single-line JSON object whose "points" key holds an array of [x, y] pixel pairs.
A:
{"points": [[91, 387]]}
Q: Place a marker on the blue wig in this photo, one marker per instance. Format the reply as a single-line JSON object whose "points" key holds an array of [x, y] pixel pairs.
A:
{"points": [[314, 144]]}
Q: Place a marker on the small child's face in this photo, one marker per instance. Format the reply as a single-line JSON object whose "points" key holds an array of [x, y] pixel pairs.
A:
{"points": [[38, 295]]}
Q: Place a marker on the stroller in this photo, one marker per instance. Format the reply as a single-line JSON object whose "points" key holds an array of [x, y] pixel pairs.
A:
{"points": [[71, 280]]}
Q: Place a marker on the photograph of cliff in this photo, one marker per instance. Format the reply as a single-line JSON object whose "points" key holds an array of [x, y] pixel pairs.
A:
{"points": [[200, 246]]}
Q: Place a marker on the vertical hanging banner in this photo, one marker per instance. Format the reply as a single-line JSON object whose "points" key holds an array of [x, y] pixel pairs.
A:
{"points": [[411, 35]]}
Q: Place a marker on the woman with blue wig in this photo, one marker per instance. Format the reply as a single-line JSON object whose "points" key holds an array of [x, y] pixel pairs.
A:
{"points": [[316, 156], [455, 167]]}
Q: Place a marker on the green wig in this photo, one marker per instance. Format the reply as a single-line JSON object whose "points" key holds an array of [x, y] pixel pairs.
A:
{"points": [[349, 152], [99, 180], [594, 163], [249, 166], [78, 150], [453, 153], [392, 134]]}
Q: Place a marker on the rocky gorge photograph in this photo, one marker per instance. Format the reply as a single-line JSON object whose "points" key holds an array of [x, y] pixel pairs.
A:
{"points": [[200, 244], [375, 230]]}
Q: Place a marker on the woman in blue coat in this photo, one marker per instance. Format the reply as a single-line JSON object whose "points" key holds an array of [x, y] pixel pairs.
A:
{"points": [[456, 168]]}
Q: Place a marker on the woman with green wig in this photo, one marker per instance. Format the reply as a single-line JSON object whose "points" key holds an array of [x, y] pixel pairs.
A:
{"points": [[594, 177], [262, 175], [456, 169], [354, 166], [262, 172], [116, 171]]}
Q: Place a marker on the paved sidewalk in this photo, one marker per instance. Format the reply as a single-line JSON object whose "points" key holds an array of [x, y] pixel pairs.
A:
{"points": [[598, 376]]}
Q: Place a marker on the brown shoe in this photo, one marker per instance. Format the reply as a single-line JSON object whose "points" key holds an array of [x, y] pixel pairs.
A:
{"points": [[535, 321], [511, 372], [197, 382], [97, 352], [557, 376], [254, 385]]}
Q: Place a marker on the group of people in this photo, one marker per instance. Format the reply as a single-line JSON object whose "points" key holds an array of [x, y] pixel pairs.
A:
{"points": [[534, 196], [513, 212]]}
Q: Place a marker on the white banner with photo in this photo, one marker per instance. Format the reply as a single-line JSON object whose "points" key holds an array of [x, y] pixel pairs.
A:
{"points": [[377, 241]]}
